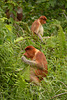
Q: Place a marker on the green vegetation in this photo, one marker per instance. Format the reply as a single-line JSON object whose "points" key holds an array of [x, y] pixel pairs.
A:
{"points": [[15, 36]]}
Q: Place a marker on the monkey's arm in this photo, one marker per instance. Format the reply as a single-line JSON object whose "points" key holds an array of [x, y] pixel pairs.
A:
{"points": [[40, 37], [32, 63]]}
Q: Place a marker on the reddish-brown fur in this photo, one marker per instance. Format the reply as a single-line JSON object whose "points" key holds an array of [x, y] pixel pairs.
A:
{"points": [[37, 23], [40, 70]]}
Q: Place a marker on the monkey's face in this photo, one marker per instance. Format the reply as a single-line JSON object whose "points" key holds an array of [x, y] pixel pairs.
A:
{"points": [[29, 54], [43, 19]]}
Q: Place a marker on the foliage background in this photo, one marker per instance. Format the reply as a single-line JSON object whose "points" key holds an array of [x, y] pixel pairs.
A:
{"points": [[13, 40]]}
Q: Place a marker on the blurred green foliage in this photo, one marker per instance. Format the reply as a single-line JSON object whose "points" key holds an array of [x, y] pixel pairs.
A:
{"points": [[15, 36]]}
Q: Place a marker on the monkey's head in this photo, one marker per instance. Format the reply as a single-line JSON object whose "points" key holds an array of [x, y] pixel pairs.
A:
{"points": [[42, 19], [29, 52]]}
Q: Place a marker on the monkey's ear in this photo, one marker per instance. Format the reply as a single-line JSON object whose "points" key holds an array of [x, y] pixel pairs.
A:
{"points": [[29, 48]]}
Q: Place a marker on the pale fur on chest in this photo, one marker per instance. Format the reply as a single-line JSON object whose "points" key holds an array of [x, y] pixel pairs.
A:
{"points": [[40, 31], [32, 70], [34, 58]]}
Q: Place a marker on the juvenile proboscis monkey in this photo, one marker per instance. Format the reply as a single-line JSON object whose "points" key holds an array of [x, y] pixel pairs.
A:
{"points": [[37, 27], [38, 64]]}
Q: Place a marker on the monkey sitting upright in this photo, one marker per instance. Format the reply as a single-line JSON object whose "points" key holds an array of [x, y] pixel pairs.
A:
{"points": [[38, 64], [37, 27]]}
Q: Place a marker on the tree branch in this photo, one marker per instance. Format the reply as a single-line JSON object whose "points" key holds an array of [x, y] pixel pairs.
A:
{"points": [[64, 15], [63, 84], [58, 95]]}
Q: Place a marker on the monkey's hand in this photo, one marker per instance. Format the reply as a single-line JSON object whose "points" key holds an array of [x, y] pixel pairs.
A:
{"points": [[40, 37], [23, 58]]}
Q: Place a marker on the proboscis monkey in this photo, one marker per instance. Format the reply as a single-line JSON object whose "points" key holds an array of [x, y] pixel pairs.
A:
{"points": [[38, 64], [19, 14], [37, 27]]}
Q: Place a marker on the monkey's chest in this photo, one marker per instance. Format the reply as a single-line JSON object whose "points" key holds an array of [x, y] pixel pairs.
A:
{"points": [[41, 30]]}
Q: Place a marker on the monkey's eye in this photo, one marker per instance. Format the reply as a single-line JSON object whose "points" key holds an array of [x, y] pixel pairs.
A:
{"points": [[44, 19]]}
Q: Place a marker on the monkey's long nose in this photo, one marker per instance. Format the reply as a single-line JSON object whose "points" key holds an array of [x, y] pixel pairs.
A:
{"points": [[45, 22]]}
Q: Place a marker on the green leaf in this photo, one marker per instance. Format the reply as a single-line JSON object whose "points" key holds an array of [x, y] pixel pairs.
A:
{"points": [[18, 39], [26, 74]]}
